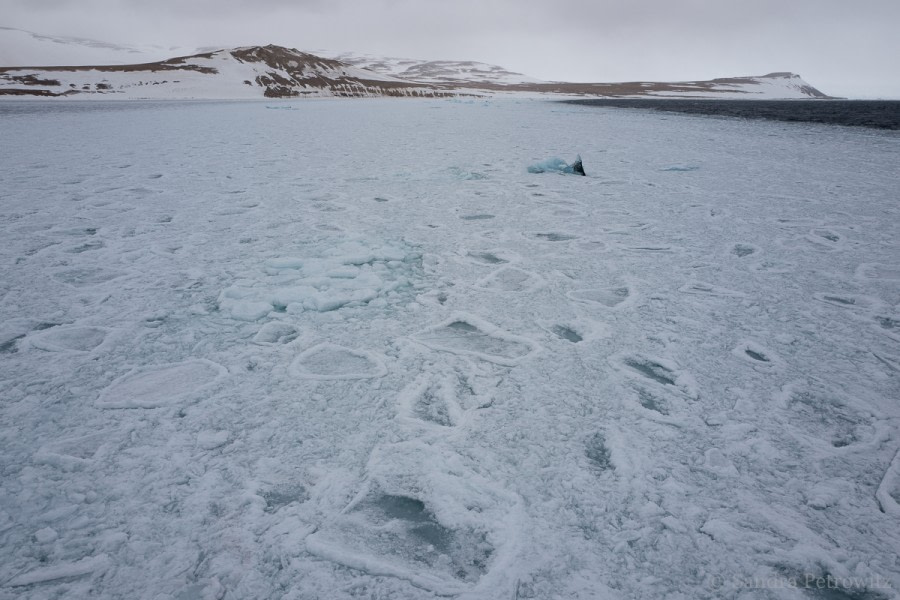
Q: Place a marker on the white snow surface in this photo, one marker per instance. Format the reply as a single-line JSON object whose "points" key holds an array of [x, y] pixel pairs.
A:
{"points": [[356, 350], [433, 71]]}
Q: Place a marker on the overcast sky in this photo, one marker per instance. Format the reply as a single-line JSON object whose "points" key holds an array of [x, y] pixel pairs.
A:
{"points": [[843, 47]]}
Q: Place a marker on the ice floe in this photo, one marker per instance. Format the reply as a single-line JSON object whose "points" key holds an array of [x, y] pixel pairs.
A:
{"points": [[469, 335], [332, 361], [161, 385]]}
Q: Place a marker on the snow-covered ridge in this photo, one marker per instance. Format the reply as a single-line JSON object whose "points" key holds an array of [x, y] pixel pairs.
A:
{"points": [[434, 71], [774, 85], [278, 72], [761, 87], [247, 72]]}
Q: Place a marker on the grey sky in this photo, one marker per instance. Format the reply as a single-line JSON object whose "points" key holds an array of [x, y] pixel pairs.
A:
{"points": [[842, 47]]}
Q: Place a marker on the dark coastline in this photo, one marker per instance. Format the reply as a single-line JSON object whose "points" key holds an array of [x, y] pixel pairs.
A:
{"points": [[879, 114]]}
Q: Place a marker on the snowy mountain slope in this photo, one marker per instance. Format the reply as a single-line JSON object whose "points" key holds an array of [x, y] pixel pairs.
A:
{"points": [[27, 48], [278, 72], [771, 86], [434, 71], [481, 75], [250, 72]]}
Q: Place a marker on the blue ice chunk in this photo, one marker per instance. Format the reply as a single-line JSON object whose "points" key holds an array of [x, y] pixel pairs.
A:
{"points": [[551, 165], [557, 165]]}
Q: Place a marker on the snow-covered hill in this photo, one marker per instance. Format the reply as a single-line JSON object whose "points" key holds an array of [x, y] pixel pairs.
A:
{"points": [[434, 71], [773, 85], [757, 87], [87, 68], [250, 72]]}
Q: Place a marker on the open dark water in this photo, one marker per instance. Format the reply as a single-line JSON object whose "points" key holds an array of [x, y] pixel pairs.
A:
{"points": [[881, 114]]}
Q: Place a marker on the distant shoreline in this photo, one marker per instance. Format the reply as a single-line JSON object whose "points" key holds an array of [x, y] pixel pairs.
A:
{"points": [[877, 114]]}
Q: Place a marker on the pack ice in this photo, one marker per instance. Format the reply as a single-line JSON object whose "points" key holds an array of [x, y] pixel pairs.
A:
{"points": [[357, 350]]}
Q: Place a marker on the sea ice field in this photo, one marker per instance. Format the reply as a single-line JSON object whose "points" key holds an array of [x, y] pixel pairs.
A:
{"points": [[346, 349]]}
